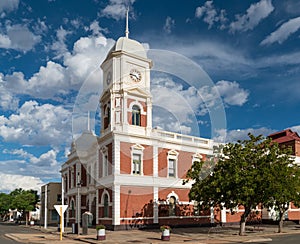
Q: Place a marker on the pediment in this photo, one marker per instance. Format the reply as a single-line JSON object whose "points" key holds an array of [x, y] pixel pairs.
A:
{"points": [[137, 91]]}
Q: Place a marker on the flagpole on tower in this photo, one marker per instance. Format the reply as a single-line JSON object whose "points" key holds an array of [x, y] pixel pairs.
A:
{"points": [[127, 29]]}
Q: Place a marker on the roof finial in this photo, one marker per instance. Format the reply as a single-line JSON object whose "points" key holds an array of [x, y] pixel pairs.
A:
{"points": [[127, 30]]}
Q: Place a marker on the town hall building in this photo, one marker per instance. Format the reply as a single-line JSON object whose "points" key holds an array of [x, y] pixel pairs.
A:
{"points": [[131, 175]]}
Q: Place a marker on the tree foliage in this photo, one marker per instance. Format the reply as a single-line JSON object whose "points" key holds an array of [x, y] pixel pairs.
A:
{"points": [[247, 173], [5, 200], [22, 200]]}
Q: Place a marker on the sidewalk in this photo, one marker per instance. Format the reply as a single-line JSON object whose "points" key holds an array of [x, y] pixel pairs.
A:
{"points": [[263, 233]]}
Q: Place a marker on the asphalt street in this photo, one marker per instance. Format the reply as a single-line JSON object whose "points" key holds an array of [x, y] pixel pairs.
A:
{"points": [[12, 228]]}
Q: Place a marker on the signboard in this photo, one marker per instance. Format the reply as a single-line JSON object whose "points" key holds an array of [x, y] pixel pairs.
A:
{"points": [[62, 207]]}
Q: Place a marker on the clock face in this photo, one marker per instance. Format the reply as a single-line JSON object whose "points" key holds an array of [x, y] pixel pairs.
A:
{"points": [[108, 78], [135, 75]]}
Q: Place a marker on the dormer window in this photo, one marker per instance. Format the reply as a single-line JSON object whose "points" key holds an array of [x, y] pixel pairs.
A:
{"points": [[136, 115]]}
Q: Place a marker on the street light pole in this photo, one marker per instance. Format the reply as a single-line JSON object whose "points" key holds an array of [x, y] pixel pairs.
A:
{"points": [[78, 201]]}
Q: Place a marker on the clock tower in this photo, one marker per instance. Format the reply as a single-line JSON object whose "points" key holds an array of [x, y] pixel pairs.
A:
{"points": [[126, 102]]}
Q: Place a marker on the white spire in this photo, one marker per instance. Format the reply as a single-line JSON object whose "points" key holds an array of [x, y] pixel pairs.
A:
{"points": [[127, 29]]}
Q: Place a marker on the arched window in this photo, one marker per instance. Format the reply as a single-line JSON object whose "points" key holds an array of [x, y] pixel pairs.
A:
{"points": [[136, 115], [172, 206], [106, 115], [106, 209]]}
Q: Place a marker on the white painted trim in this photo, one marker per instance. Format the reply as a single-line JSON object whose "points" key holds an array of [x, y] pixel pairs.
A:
{"points": [[172, 194], [97, 206], [155, 161], [116, 206], [137, 104], [102, 197], [116, 157], [155, 205]]}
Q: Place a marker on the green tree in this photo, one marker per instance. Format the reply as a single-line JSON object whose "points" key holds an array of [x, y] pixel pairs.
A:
{"points": [[244, 175], [4, 203], [24, 201], [283, 181]]}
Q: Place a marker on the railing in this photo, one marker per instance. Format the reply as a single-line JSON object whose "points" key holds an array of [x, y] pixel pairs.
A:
{"points": [[183, 138]]}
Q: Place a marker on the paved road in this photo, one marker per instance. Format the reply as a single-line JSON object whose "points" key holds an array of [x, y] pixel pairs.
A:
{"points": [[281, 239], [12, 228]]}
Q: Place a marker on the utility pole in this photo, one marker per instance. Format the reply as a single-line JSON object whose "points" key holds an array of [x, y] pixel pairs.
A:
{"points": [[78, 201], [62, 203], [46, 210]]}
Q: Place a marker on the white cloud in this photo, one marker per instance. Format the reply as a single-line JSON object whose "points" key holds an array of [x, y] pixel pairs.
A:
{"points": [[10, 182], [211, 15], [232, 93], [59, 46], [283, 32], [8, 5], [296, 128], [255, 14], [240, 134], [8, 101], [5, 42], [169, 25], [54, 80], [116, 9], [19, 37], [176, 107], [44, 165], [37, 125]]}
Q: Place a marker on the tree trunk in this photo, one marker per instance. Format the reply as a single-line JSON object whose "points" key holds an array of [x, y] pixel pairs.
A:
{"points": [[281, 219], [26, 214], [243, 221]]}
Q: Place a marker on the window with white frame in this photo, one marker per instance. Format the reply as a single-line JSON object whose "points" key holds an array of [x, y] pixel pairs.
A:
{"points": [[104, 162], [172, 163], [136, 164], [172, 167], [137, 159], [136, 115]]}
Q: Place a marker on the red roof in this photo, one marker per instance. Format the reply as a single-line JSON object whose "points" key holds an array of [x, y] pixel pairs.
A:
{"points": [[285, 136]]}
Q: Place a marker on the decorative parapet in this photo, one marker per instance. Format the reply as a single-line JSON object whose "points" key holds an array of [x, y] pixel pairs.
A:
{"points": [[183, 139]]}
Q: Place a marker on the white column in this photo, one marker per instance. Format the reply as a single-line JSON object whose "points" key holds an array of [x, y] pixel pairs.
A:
{"points": [[97, 206], [149, 116], [116, 157], [155, 161], [223, 215], [212, 216], [116, 205], [155, 205]]}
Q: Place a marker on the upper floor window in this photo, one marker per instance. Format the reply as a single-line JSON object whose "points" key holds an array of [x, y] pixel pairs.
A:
{"points": [[137, 159], [172, 163], [172, 167], [136, 115], [136, 164]]}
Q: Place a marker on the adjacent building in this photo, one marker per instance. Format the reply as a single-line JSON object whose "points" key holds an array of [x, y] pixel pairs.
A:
{"points": [[50, 196]]}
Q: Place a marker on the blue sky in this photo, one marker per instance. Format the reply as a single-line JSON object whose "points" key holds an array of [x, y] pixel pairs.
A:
{"points": [[51, 51]]}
